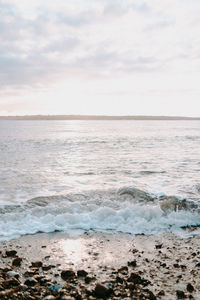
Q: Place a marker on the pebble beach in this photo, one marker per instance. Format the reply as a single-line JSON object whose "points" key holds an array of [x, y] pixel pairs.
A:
{"points": [[100, 266]]}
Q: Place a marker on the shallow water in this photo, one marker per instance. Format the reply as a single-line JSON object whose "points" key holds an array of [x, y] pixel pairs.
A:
{"points": [[77, 167]]}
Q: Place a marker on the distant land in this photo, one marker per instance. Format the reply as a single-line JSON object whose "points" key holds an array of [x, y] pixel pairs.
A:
{"points": [[95, 117]]}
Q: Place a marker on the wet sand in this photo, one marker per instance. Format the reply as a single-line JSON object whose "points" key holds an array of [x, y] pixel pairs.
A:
{"points": [[100, 265]]}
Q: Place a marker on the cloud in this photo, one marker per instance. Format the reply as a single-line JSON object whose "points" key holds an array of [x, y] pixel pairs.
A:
{"points": [[45, 42]]}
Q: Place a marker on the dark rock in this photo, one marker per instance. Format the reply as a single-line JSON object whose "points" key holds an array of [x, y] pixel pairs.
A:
{"points": [[42, 280], [131, 286], [11, 253], [30, 282], [17, 262], [198, 265], [158, 246], [183, 266], [190, 288], [119, 280], [150, 294], [89, 279], [176, 266], [163, 265], [30, 273], [46, 267], [161, 293], [132, 263], [180, 294], [135, 278], [7, 284], [67, 274], [36, 264], [82, 273], [101, 291], [134, 251]]}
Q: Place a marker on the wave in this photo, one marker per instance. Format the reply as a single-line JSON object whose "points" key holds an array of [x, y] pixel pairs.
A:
{"points": [[126, 210]]}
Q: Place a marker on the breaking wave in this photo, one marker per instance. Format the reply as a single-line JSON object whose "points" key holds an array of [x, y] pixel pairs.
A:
{"points": [[127, 210]]}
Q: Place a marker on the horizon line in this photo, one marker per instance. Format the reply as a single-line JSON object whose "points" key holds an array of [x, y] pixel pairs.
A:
{"points": [[94, 117]]}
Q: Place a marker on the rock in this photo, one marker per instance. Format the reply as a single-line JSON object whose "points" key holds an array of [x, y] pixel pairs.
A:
{"points": [[89, 279], [17, 262], [30, 282], [123, 270], [180, 294], [13, 274], [46, 267], [10, 283], [55, 287], [67, 274], [11, 253], [82, 273], [190, 288], [198, 265], [50, 297], [36, 264], [30, 273], [135, 278], [132, 263], [119, 280], [158, 246], [101, 291], [161, 293]]}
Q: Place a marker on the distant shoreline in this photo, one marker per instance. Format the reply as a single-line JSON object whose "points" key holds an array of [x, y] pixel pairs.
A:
{"points": [[97, 117]]}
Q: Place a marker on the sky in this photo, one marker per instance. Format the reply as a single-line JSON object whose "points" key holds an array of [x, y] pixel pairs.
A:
{"points": [[110, 57]]}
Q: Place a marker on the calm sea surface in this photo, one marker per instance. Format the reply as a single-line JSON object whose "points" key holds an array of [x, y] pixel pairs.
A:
{"points": [[65, 175]]}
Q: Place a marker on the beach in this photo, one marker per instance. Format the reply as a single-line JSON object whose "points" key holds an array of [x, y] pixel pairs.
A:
{"points": [[99, 210], [100, 265]]}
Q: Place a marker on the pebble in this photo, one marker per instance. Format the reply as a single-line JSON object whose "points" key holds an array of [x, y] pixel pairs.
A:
{"points": [[30, 282]]}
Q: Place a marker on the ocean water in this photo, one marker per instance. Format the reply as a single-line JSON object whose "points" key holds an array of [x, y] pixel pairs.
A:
{"points": [[85, 175]]}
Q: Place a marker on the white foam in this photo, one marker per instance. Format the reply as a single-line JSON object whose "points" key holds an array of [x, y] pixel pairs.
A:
{"points": [[118, 216]]}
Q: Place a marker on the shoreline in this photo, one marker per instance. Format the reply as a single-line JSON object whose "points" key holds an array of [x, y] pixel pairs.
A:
{"points": [[100, 265]]}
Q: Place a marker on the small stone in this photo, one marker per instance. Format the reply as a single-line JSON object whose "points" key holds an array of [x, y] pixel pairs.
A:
{"points": [[190, 288], [11, 253], [17, 262], [132, 263], [123, 270], [13, 274], [119, 280], [30, 282], [101, 291], [161, 293], [10, 283], [30, 273], [180, 294], [67, 274], [134, 278], [88, 279], [36, 264], [158, 246], [82, 273], [46, 267]]}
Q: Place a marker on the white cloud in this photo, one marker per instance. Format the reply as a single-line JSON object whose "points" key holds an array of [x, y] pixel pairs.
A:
{"points": [[127, 47]]}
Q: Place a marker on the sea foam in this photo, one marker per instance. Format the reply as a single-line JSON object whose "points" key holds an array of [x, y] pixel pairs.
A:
{"points": [[97, 210]]}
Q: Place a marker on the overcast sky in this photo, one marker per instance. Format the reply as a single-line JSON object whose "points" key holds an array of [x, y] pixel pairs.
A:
{"points": [[114, 57]]}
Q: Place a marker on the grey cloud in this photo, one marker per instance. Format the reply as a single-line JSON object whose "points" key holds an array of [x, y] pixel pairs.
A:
{"points": [[32, 54]]}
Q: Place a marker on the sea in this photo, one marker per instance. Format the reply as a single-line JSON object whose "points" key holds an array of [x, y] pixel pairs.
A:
{"points": [[78, 176]]}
